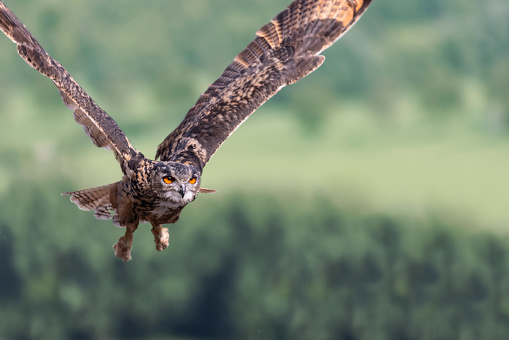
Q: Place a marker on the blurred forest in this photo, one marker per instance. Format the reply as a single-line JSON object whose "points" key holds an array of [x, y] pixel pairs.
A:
{"points": [[367, 201]]}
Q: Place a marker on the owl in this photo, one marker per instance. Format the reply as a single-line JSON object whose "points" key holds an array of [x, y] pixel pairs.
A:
{"points": [[155, 191]]}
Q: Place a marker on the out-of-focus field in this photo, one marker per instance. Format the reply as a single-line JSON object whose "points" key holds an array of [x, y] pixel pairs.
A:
{"points": [[412, 168], [415, 169]]}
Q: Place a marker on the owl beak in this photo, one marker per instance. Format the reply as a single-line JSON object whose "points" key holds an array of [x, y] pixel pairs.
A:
{"points": [[182, 190]]}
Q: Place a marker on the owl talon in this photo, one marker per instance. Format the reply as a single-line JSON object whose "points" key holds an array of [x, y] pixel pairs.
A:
{"points": [[123, 249], [161, 237]]}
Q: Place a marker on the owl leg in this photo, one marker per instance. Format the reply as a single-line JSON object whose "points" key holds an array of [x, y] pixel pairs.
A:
{"points": [[125, 243], [161, 236]]}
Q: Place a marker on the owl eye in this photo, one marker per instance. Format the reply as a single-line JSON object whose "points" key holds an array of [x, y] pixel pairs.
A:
{"points": [[192, 180], [168, 179]]}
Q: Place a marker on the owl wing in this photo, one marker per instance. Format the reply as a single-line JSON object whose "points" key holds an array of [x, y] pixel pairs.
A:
{"points": [[100, 127], [284, 51]]}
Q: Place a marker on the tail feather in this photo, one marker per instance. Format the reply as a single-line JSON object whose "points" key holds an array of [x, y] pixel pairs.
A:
{"points": [[94, 199]]}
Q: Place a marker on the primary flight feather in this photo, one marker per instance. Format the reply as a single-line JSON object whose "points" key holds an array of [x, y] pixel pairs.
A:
{"points": [[285, 50]]}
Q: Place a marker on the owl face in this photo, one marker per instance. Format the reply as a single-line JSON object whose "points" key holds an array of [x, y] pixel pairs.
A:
{"points": [[176, 182]]}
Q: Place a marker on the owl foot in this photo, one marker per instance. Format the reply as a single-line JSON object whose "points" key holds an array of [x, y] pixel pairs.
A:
{"points": [[123, 248], [161, 237]]}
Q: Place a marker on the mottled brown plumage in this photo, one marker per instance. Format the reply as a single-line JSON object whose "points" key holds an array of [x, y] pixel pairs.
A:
{"points": [[285, 50]]}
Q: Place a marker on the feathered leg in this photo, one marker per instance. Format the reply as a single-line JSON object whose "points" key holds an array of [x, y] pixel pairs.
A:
{"points": [[125, 243], [161, 236]]}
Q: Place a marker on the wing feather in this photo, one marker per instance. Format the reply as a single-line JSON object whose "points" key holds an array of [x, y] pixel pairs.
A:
{"points": [[99, 126], [284, 51]]}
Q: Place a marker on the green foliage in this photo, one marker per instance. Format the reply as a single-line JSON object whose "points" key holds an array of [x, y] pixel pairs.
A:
{"points": [[248, 267]]}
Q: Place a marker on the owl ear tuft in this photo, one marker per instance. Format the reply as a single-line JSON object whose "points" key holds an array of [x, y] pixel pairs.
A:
{"points": [[207, 191]]}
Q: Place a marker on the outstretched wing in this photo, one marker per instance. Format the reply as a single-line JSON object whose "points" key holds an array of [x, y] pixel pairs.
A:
{"points": [[100, 127], [284, 51]]}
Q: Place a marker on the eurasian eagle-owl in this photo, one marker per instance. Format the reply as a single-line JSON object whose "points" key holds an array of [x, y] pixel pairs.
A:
{"points": [[285, 50]]}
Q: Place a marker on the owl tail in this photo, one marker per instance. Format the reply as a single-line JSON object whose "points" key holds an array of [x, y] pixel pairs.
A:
{"points": [[96, 199]]}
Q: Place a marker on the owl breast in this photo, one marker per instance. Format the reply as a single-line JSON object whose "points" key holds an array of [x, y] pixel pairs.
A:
{"points": [[165, 212]]}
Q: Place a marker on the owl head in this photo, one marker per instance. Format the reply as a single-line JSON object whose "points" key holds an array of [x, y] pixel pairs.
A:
{"points": [[175, 182]]}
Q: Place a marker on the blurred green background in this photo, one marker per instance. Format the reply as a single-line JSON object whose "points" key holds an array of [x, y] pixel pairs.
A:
{"points": [[368, 201]]}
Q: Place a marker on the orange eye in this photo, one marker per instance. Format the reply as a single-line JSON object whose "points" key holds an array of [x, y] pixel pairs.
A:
{"points": [[168, 180], [192, 180]]}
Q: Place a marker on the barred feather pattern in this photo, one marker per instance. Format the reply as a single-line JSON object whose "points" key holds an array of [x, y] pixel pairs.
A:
{"points": [[94, 199], [99, 126], [285, 50]]}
